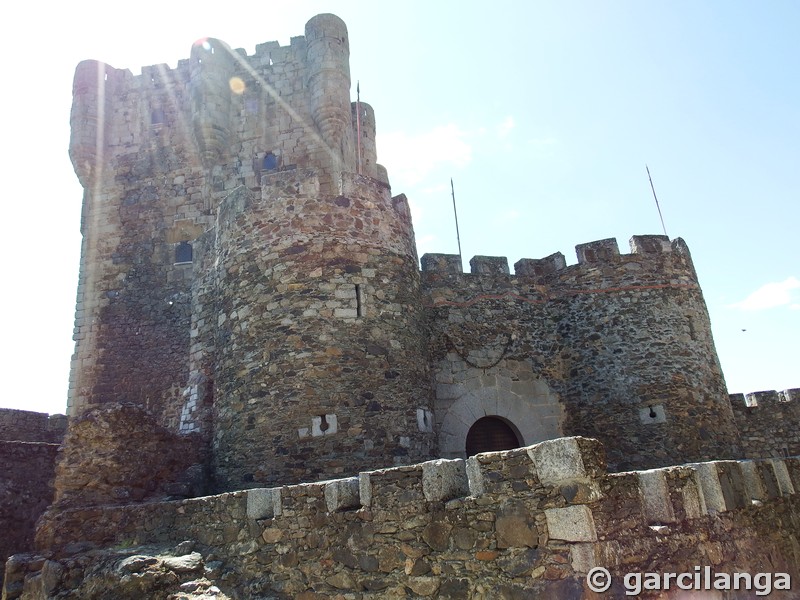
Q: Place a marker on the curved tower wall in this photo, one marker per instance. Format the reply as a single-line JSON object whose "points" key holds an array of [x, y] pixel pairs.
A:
{"points": [[366, 122], [642, 371], [321, 357], [621, 343], [211, 70], [328, 81]]}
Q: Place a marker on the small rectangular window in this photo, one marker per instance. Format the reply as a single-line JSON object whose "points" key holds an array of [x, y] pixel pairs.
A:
{"points": [[183, 253]]}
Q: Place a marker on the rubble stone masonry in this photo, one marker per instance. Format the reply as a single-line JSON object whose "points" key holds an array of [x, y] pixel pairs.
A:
{"points": [[525, 523], [28, 449], [253, 322]]}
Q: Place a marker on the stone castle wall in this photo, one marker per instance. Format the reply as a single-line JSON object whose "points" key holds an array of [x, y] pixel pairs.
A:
{"points": [[29, 426], [251, 315], [321, 363], [518, 524], [156, 153], [767, 422], [617, 347], [29, 443]]}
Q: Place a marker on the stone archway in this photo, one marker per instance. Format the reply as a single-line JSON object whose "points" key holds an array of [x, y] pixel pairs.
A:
{"points": [[491, 434], [508, 391]]}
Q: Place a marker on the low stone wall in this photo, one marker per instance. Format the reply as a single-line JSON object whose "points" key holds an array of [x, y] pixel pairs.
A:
{"points": [[26, 489], [29, 426], [530, 522]]}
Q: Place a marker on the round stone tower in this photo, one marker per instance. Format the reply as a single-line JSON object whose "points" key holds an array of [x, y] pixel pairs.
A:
{"points": [[321, 366], [642, 373], [328, 82]]}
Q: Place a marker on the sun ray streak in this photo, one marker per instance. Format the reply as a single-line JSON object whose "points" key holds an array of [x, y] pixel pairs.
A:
{"points": [[266, 87]]}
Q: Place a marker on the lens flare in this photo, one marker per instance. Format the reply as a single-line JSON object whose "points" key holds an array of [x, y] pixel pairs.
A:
{"points": [[237, 85]]}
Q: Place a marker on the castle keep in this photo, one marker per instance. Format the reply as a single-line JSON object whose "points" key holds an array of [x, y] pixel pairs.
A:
{"points": [[253, 321], [248, 277]]}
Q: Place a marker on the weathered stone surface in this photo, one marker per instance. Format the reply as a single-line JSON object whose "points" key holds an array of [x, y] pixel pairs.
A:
{"points": [[444, 480], [505, 543], [515, 526], [571, 523], [263, 503], [251, 313], [184, 564]]}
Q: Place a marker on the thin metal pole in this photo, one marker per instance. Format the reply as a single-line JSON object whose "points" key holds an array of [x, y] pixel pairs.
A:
{"points": [[455, 212], [656, 199], [358, 123]]}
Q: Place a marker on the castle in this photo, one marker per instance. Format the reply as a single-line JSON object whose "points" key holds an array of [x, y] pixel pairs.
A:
{"points": [[252, 315]]}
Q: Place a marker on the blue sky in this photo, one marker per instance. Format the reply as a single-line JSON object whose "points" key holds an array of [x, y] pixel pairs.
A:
{"points": [[544, 114]]}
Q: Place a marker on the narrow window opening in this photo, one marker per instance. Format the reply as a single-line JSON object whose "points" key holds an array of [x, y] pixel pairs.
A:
{"points": [[105, 77], [270, 59], [324, 425], [653, 414], [183, 253], [359, 301], [270, 162]]}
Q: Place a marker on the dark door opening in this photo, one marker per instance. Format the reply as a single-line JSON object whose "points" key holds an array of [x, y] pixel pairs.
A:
{"points": [[491, 434]]}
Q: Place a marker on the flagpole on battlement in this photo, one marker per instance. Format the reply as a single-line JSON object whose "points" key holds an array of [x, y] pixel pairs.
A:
{"points": [[455, 213], [656, 199]]}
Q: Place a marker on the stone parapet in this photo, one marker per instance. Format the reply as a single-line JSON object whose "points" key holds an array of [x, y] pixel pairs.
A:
{"points": [[531, 521]]}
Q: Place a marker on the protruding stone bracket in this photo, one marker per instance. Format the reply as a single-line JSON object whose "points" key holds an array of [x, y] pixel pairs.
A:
{"points": [[365, 489], [782, 475], [444, 480], [656, 501], [558, 461], [733, 484], [475, 477], [752, 481], [693, 503], [571, 524], [264, 503], [342, 494], [707, 476]]}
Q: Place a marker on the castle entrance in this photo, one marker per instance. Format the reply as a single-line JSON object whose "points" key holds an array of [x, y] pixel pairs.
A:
{"points": [[502, 407], [491, 434]]}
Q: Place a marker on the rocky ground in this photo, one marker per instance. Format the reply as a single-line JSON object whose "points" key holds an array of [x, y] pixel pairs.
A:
{"points": [[178, 573]]}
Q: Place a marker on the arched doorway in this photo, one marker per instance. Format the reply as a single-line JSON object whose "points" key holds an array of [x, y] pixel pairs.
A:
{"points": [[491, 434]]}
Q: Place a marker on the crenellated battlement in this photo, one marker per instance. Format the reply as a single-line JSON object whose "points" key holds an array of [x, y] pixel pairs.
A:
{"points": [[267, 54], [591, 255], [765, 398]]}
